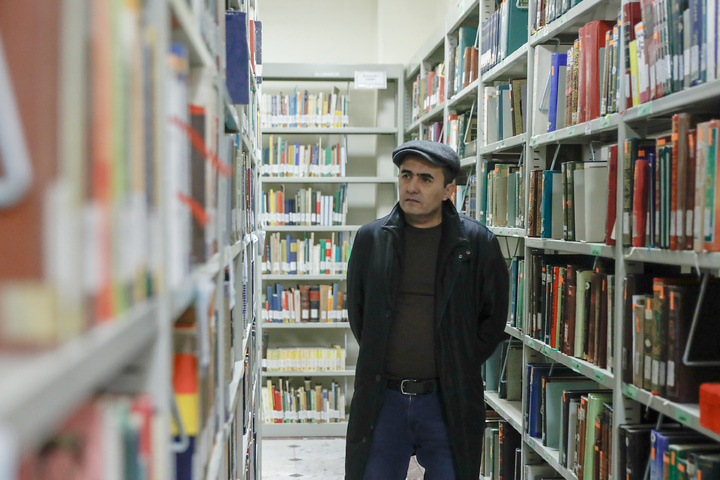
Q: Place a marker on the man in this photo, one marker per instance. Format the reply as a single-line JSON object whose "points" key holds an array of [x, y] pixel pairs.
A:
{"points": [[427, 300]]}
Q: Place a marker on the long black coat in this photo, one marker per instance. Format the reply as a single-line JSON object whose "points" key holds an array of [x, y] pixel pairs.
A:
{"points": [[471, 289]]}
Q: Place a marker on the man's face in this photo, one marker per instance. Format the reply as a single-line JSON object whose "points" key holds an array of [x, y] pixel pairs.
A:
{"points": [[422, 192]]}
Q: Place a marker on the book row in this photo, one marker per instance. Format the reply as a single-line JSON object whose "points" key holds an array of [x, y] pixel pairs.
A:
{"points": [[503, 32], [572, 306], [505, 105], [501, 450], [110, 436], [466, 197], [282, 158], [435, 132], [305, 109], [286, 403], [462, 131], [660, 312], [308, 207], [546, 11], [315, 359], [670, 193], [501, 198], [304, 303], [570, 204], [429, 91], [285, 256]]}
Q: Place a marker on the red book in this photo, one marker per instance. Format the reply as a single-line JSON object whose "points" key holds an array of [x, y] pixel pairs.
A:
{"points": [[640, 202], [581, 117], [690, 192], [277, 403], [593, 40], [612, 196], [674, 184], [681, 123]]}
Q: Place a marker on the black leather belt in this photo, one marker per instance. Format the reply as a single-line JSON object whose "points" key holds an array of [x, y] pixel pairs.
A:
{"points": [[414, 387]]}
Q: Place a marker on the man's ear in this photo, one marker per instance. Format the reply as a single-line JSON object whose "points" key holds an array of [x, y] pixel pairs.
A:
{"points": [[450, 189]]}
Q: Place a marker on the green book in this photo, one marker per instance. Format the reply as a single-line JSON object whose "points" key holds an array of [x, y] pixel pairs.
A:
{"points": [[594, 409], [710, 176], [679, 452]]}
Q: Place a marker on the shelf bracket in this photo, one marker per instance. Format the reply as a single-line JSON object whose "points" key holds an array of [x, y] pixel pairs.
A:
{"points": [[14, 156], [696, 319], [183, 443]]}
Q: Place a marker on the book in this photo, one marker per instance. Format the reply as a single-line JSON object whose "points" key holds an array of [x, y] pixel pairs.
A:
{"points": [[596, 200], [610, 225], [556, 106], [237, 59]]}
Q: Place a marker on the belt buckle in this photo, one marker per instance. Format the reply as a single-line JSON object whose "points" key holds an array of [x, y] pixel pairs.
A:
{"points": [[402, 388]]}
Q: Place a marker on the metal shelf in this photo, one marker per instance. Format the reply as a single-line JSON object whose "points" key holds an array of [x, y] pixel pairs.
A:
{"points": [[514, 332], [468, 162], [512, 66], [312, 228], [600, 375], [190, 27], [675, 102], [582, 133], [686, 413], [40, 390], [310, 373], [330, 131], [503, 145], [550, 456], [456, 16], [563, 246], [305, 325], [465, 97], [309, 180], [571, 21], [326, 277], [508, 231], [687, 258], [304, 429], [510, 411]]}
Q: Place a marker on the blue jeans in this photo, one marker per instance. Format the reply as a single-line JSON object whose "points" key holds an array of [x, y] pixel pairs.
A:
{"points": [[410, 424]]}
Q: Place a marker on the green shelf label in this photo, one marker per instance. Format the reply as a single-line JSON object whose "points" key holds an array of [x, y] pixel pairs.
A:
{"points": [[571, 131], [515, 232], [551, 136], [575, 365], [630, 391], [534, 141], [595, 250], [545, 350], [683, 417], [531, 344], [645, 109], [599, 376], [605, 122], [502, 144], [562, 20]]}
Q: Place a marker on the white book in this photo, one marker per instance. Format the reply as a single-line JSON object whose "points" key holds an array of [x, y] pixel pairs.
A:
{"points": [[643, 75], [596, 194], [490, 121], [579, 186], [583, 283], [711, 34], [571, 433], [556, 230]]}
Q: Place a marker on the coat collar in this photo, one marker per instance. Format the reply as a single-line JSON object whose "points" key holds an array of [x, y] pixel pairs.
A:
{"points": [[453, 234]]}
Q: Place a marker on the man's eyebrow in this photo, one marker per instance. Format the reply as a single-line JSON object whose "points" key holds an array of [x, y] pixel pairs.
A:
{"points": [[424, 175]]}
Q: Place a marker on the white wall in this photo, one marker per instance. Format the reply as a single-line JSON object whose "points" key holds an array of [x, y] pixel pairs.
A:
{"points": [[348, 31]]}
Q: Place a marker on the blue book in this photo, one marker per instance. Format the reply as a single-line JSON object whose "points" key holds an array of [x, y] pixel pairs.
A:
{"points": [[536, 372], [697, 26], [279, 302], [270, 303], [659, 441], [237, 57], [556, 61], [548, 177]]}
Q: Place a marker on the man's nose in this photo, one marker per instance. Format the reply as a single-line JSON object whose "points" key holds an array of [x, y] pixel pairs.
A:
{"points": [[414, 184]]}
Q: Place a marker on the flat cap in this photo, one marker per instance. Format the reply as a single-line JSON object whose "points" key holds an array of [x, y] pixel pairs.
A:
{"points": [[434, 152]]}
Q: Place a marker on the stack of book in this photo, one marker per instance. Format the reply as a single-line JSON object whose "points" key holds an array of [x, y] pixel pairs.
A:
{"points": [[309, 207], [465, 59], [502, 195], [305, 109], [659, 311], [670, 451], [504, 107], [286, 403], [463, 131], [305, 359], [501, 450], [669, 188], [304, 303], [546, 11], [572, 306], [284, 159], [503, 32], [466, 197], [288, 256], [570, 204], [429, 91], [434, 132]]}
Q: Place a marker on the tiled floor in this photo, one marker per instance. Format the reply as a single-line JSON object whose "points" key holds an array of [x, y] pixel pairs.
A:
{"points": [[311, 458]]}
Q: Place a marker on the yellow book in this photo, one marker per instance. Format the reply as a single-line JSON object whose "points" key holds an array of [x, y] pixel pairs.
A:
{"points": [[634, 81]]}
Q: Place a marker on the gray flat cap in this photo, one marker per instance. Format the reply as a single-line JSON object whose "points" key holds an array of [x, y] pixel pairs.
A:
{"points": [[436, 153]]}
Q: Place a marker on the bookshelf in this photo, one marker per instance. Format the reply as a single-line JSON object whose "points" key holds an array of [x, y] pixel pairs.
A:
{"points": [[126, 278], [538, 149], [362, 149]]}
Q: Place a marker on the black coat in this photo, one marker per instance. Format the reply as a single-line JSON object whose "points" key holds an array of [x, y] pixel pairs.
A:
{"points": [[471, 307]]}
